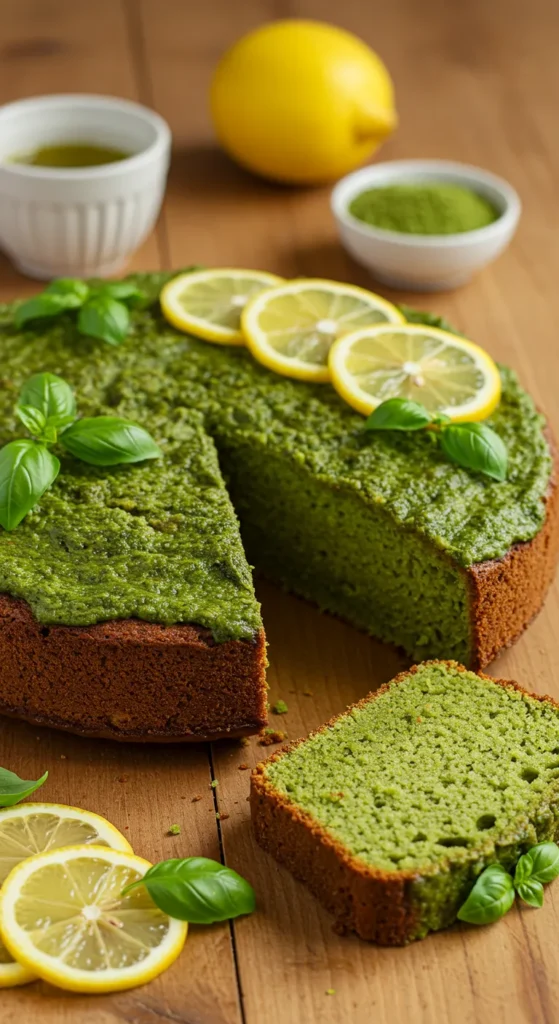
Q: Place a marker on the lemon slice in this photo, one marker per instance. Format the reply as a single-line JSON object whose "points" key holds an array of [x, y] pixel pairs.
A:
{"points": [[209, 303], [62, 915], [32, 828], [291, 328], [447, 374]]}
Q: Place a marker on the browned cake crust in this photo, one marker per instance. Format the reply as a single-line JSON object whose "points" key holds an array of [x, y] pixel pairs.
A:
{"points": [[506, 593], [374, 903], [130, 680]]}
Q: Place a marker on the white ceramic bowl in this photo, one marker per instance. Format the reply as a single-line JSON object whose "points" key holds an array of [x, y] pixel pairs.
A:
{"points": [[425, 262], [78, 222]]}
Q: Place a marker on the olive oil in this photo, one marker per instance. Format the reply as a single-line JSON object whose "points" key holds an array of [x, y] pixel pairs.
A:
{"points": [[71, 154]]}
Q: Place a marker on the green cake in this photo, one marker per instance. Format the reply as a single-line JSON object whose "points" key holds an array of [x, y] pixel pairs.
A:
{"points": [[380, 529], [391, 811]]}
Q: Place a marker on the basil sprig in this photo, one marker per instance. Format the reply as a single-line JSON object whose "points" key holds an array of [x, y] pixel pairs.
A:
{"points": [[13, 789], [473, 446], [102, 308], [494, 892], [197, 890], [47, 409]]}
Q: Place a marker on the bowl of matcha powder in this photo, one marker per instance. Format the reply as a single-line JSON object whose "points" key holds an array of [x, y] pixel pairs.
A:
{"points": [[425, 225]]}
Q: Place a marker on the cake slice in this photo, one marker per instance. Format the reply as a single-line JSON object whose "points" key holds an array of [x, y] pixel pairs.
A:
{"points": [[391, 810], [140, 620]]}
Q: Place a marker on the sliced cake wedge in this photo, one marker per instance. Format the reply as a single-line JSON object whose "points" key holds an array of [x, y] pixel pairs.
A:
{"points": [[390, 811]]}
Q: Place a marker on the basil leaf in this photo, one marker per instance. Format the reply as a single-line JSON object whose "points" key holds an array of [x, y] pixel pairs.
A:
{"points": [[33, 419], [197, 890], [124, 291], [398, 414], [491, 897], [13, 789], [475, 446], [27, 470], [540, 863], [43, 306], [109, 441], [105, 318], [74, 289], [531, 891], [52, 396]]}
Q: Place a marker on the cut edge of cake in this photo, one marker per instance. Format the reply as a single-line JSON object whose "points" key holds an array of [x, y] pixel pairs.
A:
{"points": [[381, 906], [130, 680]]}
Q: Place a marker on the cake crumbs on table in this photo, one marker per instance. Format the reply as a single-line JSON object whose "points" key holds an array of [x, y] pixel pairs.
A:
{"points": [[279, 708], [174, 830], [195, 799], [270, 736], [221, 816], [330, 992], [243, 767], [244, 741], [214, 784], [308, 693]]}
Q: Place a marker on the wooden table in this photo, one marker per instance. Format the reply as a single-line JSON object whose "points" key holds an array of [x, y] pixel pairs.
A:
{"points": [[477, 82]]}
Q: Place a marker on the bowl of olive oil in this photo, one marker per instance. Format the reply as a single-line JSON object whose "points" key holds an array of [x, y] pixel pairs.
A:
{"points": [[82, 179]]}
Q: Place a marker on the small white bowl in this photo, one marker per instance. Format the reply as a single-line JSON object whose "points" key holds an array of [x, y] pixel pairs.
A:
{"points": [[79, 221], [425, 262]]}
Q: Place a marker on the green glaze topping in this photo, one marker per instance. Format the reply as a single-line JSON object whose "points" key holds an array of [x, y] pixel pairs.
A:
{"points": [[160, 540], [426, 208], [444, 765]]}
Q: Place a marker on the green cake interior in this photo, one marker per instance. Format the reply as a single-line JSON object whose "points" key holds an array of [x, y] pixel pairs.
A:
{"points": [[442, 765], [376, 528]]}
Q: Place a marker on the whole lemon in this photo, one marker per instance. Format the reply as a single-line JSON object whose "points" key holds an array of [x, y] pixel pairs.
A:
{"points": [[301, 101]]}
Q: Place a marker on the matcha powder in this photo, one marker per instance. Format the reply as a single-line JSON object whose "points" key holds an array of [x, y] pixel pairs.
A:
{"points": [[426, 208]]}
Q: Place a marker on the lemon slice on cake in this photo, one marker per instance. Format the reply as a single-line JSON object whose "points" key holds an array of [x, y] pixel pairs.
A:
{"points": [[209, 303], [28, 829], [64, 918], [291, 328], [443, 372]]}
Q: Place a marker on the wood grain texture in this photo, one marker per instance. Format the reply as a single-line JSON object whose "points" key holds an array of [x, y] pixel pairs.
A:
{"points": [[476, 82]]}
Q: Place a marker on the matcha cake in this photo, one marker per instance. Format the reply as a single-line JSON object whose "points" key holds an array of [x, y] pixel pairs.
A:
{"points": [[132, 583], [390, 811]]}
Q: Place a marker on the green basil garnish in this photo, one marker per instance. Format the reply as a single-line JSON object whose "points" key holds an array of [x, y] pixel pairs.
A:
{"points": [[491, 897], [109, 441], [76, 290], [493, 893], [124, 291], [540, 863], [102, 306], [475, 446], [198, 890], [531, 891], [398, 414], [471, 445], [52, 396], [41, 306], [13, 789], [46, 408], [27, 470], [105, 318], [33, 419]]}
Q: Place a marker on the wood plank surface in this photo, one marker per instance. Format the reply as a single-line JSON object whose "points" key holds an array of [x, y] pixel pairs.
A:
{"points": [[476, 82]]}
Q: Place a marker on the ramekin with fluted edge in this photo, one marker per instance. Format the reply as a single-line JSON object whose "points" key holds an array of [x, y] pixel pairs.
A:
{"points": [[80, 221], [425, 262]]}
